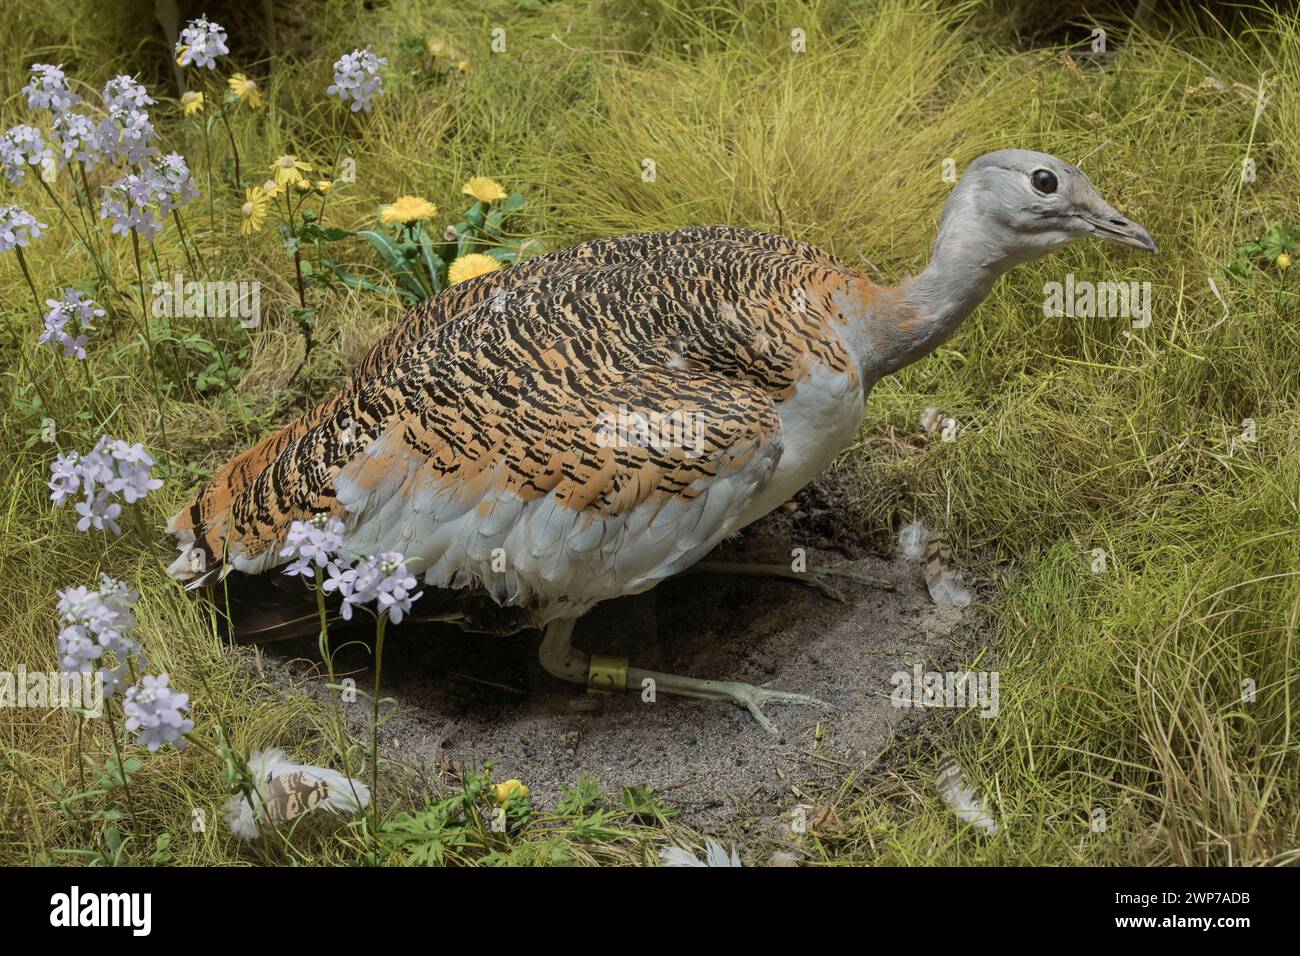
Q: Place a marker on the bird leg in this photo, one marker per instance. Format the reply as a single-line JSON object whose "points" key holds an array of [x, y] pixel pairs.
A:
{"points": [[603, 674], [814, 578]]}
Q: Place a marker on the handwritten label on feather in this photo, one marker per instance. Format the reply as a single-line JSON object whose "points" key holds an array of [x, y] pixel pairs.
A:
{"points": [[290, 795]]}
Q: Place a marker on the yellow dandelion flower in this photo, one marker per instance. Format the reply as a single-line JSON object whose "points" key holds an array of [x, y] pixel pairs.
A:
{"points": [[502, 792], [483, 189], [192, 102], [407, 209], [246, 90], [1284, 261], [289, 169], [253, 211], [469, 266], [462, 65]]}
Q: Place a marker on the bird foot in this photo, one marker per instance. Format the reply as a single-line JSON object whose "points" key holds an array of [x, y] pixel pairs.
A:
{"points": [[604, 674], [752, 697]]}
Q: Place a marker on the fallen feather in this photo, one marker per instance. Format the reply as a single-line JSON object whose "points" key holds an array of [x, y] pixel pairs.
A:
{"points": [[961, 798]]}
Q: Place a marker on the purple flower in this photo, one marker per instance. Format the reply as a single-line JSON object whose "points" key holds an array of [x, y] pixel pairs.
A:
{"points": [[112, 469], [48, 89], [157, 713], [20, 147], [173, 185], [314, 544], [95, 624], [76, 137], [200, 43], [127, 134], [134, 203], [77, 652], [123, 92], [18, 228], [356, 78], [382, 578], [62, 311], [99, 512]]}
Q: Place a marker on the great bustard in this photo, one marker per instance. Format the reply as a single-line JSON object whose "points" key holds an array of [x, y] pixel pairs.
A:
{"points": [[475, 437]]}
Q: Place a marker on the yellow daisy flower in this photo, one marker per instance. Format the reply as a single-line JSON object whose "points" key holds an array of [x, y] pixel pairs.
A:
{"points": [[502, 792], [289, 169], [192, 102], [483, 189], [253, 211], [407, 209], [324, 185], [469, 266], [271, 188], [246, 90]]}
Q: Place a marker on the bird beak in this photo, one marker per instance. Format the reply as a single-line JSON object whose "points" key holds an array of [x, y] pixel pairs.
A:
{"points": [[1109, 224]]}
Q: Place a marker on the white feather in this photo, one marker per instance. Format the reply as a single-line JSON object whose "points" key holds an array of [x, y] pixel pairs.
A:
{"points": [[714, 855], [962, 799], [912, 539], [948, 590], [265, 766]]}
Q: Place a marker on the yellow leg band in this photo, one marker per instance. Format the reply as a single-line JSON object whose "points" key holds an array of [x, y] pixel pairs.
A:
{"points": [[606, 674]]}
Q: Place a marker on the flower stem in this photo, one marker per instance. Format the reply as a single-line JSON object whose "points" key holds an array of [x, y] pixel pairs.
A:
{"points": [[121, 770], [19, 345], [374, 725], [327, 654], [239, 182], [148, 336]]}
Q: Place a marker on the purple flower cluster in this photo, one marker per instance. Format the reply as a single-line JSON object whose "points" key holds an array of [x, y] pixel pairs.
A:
{"points": [[112, 469], [173, 184], [127, 134], [62, 311], [76, 138], [356, 78], [133, 203], [95, 624], [313, 544], [18, 228], [94, 638], [48, 89], [200, 43], [156, 713], [138, 201], [20, 147], [122, 92], [382, 578]]}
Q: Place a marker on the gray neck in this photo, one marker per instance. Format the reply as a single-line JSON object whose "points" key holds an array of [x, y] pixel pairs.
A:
{"points": [[932, 305]]}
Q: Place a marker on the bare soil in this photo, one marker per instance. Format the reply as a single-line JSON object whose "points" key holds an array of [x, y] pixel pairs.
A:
{"points": [[467, 699]]}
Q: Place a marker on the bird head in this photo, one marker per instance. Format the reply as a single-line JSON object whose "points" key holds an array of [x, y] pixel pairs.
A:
{"points": [[1020, 205]]}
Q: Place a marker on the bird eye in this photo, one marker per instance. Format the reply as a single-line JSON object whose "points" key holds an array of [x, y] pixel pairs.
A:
{"points": [[1043, 181]]}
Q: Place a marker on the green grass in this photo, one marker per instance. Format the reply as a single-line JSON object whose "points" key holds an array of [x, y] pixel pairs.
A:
{"points": [[1121, 691]]}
